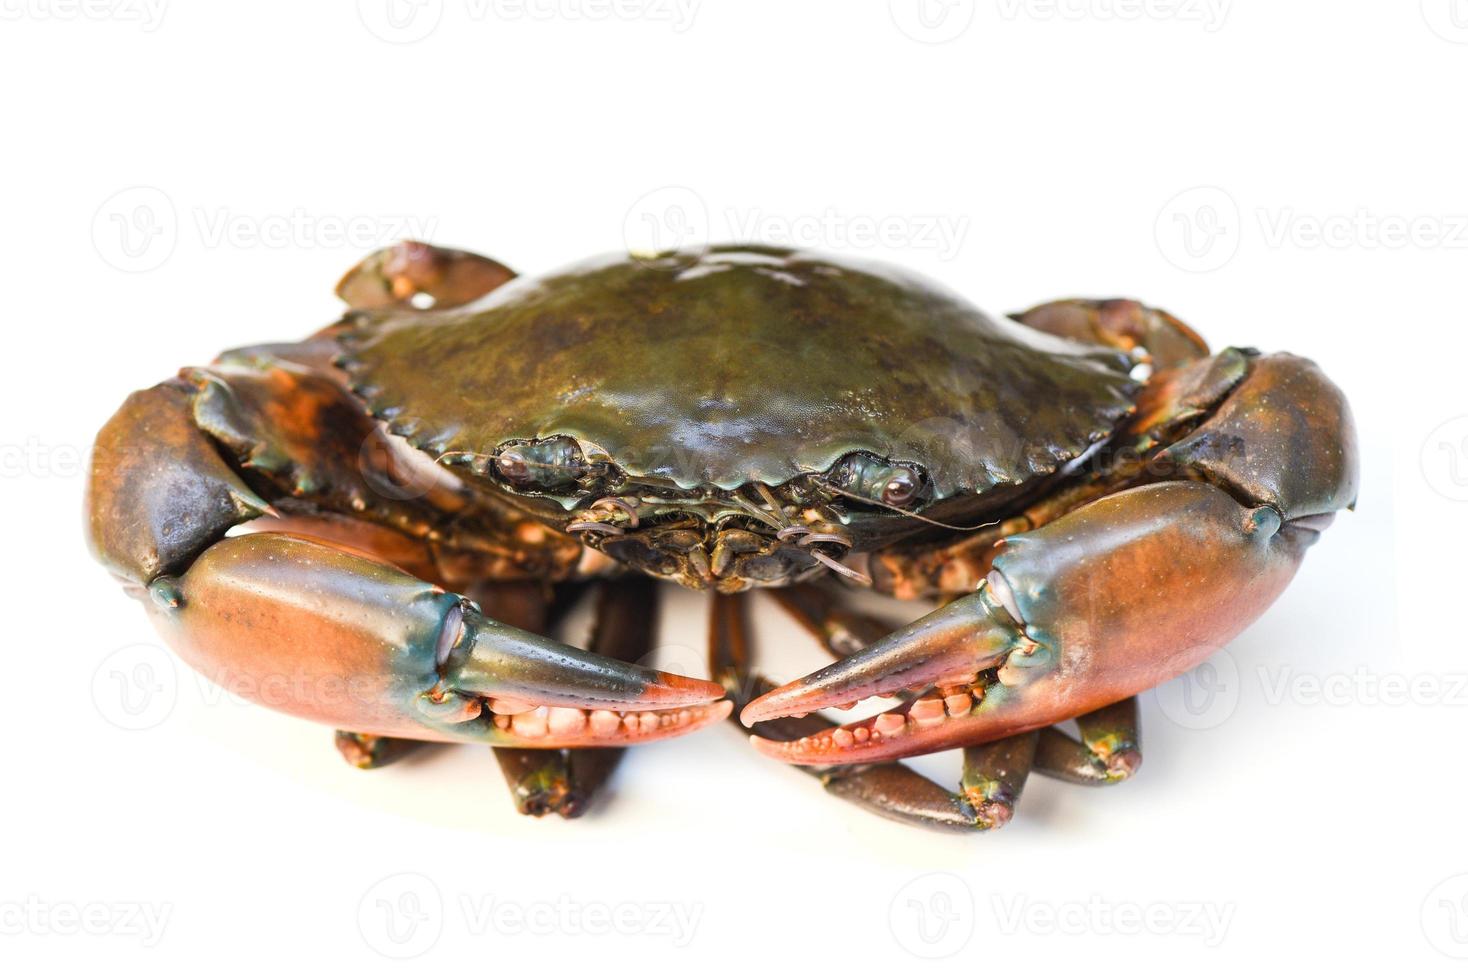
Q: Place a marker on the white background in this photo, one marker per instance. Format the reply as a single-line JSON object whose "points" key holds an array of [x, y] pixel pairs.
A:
{"points": [[178, 179]]}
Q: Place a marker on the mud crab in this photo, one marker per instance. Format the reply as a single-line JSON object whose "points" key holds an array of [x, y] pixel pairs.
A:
{"points": [[1093, 502]]}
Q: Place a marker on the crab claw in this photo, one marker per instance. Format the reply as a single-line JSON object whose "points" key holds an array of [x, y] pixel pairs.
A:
{"points": [[308, 629], [954, 654], [523, 689], [948, 648], [1101, 604]]}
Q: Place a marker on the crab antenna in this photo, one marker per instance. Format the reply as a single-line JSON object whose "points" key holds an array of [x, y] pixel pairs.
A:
{"points": [[821, 481], [754, 511], [844, 570], [769, 499], [622, 505]]}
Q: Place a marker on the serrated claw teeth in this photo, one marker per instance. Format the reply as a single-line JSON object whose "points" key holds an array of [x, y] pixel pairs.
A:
{"points": [[926, 724], [948, 649], [525, 689], [543, 726], [509, 706]]}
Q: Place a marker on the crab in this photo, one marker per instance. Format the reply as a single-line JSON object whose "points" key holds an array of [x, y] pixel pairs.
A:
{"points": [[379, 527]]}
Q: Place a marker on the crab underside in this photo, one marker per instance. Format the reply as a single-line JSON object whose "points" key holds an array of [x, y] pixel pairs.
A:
{"points": [[1089, 501]]}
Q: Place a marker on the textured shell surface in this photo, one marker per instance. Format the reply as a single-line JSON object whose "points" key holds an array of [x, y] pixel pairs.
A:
{"points": [[740, 364]]}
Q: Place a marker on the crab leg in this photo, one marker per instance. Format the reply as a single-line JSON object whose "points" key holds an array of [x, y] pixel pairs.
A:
{"points": [[1109, 751], [626, 618], [564, 781], [365, 751], [398, 275], [840, 630], [993, 775], [1121, 323], [538, 778], [1109, 599]]}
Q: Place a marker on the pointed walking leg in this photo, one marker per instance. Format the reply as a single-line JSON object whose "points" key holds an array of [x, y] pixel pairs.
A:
{"points": [[1110, 749], [993, 775], [565, 781], [537, 777], [366, 751]]}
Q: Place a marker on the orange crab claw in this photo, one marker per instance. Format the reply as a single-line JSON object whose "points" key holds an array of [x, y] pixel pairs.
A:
{"points": [[947, 649], [536, 692], [1100, 605], [306, 628]]}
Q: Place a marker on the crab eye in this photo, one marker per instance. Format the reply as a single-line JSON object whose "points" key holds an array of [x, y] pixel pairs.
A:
{"points": [[867, 478], [541, 465], [902, 487]]}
